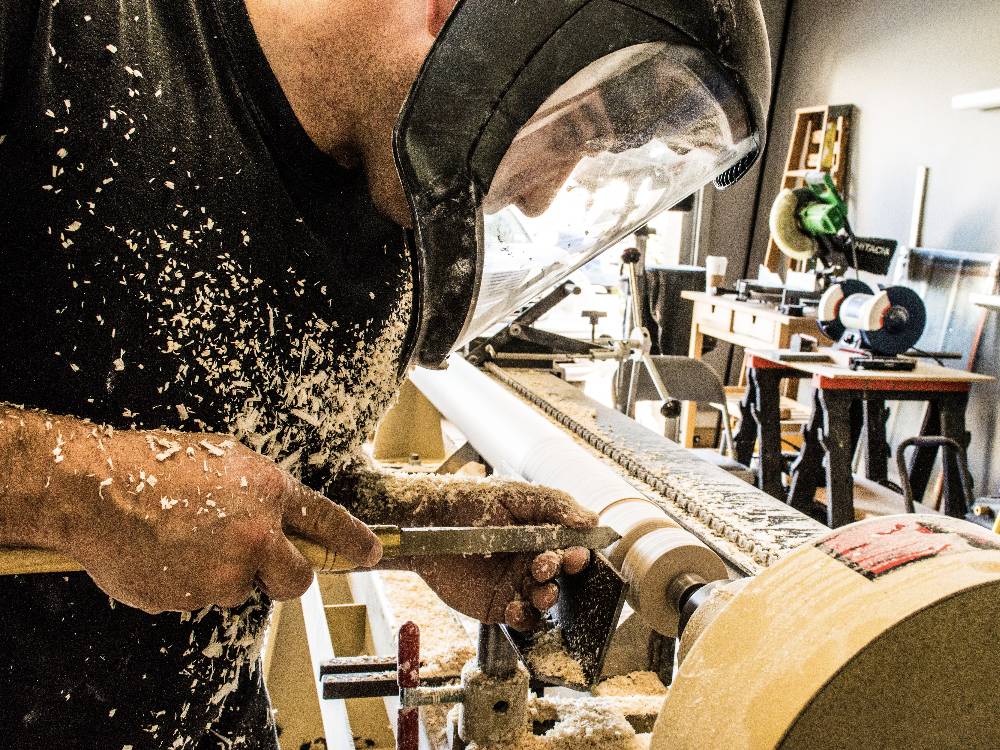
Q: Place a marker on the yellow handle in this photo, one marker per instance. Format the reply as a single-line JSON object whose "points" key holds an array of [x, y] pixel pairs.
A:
{"points": [[327, 561], [18, 561]]}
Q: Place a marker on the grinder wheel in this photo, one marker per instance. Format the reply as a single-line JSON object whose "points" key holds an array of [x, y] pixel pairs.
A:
{"points": [[786, 231], [833, 329], [903, 326]]}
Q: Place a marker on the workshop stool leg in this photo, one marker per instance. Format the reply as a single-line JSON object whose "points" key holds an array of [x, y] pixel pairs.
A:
{"points": [[767, 414], [808, 465], [839, 451], [876, 447], [953, 427], [922, 463], [746, 433]]}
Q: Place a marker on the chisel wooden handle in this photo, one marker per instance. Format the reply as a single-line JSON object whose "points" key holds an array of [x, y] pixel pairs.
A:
{"points": [[396, 542], [17, 561]]}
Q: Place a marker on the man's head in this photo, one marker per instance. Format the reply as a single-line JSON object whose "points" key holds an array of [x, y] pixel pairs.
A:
{"points": [[462, 109], [346, 67]]}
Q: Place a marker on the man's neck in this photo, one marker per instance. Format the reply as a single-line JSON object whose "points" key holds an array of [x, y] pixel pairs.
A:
{"points": [[345, 68], [304, 47]]}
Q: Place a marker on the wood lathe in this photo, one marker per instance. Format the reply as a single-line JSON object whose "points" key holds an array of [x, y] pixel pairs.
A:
{"points": [[769, 629]]}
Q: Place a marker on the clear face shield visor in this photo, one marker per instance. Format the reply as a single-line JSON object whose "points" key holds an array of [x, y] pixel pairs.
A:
{"points": [[625, 138]]}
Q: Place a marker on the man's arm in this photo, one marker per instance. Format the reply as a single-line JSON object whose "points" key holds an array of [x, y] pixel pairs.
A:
{"points": [[500, 588], [385, 497], [164, 520]]}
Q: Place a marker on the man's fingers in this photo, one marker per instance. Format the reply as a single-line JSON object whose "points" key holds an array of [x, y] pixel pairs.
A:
{"points": [[545, 566], [544, 596], [530, 503], [548, 565], [575, 559], [285, 573], [520, 615], [320, 520]]}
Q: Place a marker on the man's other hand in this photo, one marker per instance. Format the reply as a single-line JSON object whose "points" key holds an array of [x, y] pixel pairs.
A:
{"points": [[511, 588], [178, 521]]}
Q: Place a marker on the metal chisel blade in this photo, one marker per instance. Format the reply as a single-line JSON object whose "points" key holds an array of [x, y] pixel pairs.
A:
{"points": [[484, 540]]}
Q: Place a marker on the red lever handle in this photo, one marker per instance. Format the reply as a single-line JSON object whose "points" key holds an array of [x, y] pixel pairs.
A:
{"points": [[408, 676]]}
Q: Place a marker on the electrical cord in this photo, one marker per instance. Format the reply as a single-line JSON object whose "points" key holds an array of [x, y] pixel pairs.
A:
{"points": [[854, 250], [926, 355]]}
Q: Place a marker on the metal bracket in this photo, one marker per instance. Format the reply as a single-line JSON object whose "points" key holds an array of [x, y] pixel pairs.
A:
{"points": [[522, 329]]}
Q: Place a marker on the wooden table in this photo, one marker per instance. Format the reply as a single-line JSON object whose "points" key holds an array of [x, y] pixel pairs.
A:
{"points": [[844, 401], [746, 324]]}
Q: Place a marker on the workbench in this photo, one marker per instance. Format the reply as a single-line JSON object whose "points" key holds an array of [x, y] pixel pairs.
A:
{"points": [[846, 403], [746, 324]]}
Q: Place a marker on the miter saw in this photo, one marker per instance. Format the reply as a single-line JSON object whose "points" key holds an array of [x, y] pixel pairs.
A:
{"points": [[810, 225]]}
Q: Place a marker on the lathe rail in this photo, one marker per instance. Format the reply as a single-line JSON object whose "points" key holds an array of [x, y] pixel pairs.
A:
{"points": [[719, 509]]}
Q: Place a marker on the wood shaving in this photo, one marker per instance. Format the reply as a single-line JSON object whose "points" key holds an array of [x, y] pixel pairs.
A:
{"points": [[211, 448], [548, 657], [170, 447]]}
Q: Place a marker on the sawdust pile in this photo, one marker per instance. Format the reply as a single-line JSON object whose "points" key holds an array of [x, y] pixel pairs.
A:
{"points": [[444, 645], [548, 657], [581, 724], [634, 683]]}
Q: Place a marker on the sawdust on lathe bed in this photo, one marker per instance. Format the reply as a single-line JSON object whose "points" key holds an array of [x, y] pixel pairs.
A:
{"points": [[444, 646], [595, 722], [639, 694], [632, 684], [581, 724], [548, 658]]}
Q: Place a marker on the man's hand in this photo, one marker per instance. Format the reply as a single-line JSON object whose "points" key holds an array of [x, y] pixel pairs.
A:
{"points": [[176, 521], [505, 587]]}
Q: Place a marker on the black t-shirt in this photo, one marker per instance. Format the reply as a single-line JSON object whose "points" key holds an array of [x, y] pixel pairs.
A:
{"points": [[174, 251]]}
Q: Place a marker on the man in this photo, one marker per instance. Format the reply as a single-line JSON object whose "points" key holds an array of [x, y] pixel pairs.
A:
{"points": [[209, 302], [206, 295]]}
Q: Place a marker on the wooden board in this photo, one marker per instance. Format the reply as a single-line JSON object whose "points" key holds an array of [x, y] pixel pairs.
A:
{"points": [[839, 370]]}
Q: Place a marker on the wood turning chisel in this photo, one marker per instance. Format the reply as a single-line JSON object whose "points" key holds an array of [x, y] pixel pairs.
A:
{"points": [[396, 542]]}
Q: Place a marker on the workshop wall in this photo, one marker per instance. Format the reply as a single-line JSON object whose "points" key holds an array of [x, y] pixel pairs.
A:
{"points": [[900, 62]]}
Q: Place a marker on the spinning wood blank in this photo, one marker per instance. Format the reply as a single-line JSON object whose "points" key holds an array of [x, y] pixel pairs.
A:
{"points": [[654, 562], [879, 634]]}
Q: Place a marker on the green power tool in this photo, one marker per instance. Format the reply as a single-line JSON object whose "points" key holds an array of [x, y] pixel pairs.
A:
{"points": [[811, 222]]}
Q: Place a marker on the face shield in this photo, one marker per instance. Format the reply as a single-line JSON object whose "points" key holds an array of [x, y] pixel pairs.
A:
{"points": [[549, 182], [626, 138]]}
